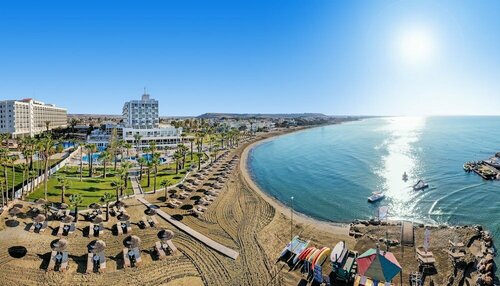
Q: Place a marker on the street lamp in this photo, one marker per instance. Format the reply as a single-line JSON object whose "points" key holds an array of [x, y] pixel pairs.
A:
{"points": [[291, 218]]}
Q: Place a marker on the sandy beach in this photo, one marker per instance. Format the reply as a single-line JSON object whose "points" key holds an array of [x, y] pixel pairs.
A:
{"points": [[242, 218]]}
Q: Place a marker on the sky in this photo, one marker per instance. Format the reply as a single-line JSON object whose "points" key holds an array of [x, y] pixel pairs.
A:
{"points": [[332, 57]]}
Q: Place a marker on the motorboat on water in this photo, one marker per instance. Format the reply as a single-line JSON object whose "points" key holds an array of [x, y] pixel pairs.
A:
{"points": [[376, 196], [420, 185], [405, 177]]}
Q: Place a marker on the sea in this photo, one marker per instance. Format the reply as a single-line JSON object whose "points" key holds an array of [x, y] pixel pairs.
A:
{"points": [[330, 171]]}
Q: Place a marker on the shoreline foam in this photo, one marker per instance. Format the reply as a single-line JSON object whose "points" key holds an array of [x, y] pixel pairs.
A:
{"points": [[333, 227]]}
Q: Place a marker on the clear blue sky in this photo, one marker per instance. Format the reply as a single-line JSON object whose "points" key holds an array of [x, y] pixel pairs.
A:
{"points": [[334, 57]]}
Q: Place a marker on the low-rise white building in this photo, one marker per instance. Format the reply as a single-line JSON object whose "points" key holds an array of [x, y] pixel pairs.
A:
{"points": [[28, 117]]}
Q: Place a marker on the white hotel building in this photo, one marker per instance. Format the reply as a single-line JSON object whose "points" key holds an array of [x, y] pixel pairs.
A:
{"points": [[139, 117], [28, 117]]}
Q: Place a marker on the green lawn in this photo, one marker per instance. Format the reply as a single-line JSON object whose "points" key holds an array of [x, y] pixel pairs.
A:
{"points": [[19, 172], [167, 171], [91, 189]]}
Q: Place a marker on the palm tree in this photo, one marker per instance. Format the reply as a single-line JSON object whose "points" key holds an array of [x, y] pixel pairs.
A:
{"points": [[177, 158], [118, 185], [47, 125], [104, 157], [2, 183], [81, 162], [76, 200], [3, 161], [155, 161], [72, 123], [183, 150], [142, 161], [137, 138], [47, 149], [33, 174], [106, 198], [165, 184], [63, 184], [152, 148], [127, 146], [92, 148], [191, 140], [200, 155], [125, 167], [149, 165]]}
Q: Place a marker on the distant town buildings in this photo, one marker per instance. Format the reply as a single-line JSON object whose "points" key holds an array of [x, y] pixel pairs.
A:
{"points": [[28, 117], [140, 127]]}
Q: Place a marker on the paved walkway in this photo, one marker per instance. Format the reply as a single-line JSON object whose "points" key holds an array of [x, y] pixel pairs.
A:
{"points": [[135, 186], [198, 236]]}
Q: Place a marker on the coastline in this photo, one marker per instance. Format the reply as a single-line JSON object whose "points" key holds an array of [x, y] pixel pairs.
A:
{"points": [[332, 227]]}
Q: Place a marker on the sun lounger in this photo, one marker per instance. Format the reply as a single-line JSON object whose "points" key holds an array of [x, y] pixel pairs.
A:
{"points": [[90, 263], [146, 222], [171, 247], [64, 262], [126, 259], [425, 258], [159, 250], [44, 226], [196, 212], [52, 261], [102, 260], [61, 229], [155, 221]]}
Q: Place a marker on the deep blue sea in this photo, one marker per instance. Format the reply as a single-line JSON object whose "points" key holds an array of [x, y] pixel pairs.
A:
{"points": [[330, 171]]}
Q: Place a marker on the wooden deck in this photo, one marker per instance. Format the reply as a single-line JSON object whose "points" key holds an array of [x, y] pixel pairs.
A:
{"points": [[198, 236]]}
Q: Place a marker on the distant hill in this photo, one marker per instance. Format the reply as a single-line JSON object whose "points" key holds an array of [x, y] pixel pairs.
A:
{"points": [[259, 115]]}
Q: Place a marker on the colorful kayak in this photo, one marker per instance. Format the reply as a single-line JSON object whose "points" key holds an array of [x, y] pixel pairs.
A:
{"points": [[302, 255], [321, 257]]}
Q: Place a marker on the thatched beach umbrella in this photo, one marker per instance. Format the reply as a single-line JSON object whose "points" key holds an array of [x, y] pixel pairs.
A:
{"points": [[63, 206], [68, 219], [98, 219], [39, 218], [133, 241], [14, 211], [165, 234], [95, 206], [124, 217], [60, 245], [120, 204], [99, 246], [40, 202]]}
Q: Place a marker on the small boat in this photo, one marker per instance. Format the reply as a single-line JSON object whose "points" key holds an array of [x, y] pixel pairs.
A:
{"points": [[420, 185], [376, 196], [405, 177]]}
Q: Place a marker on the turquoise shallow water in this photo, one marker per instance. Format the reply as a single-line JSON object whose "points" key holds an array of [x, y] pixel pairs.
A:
{"points": [[330, 171]]}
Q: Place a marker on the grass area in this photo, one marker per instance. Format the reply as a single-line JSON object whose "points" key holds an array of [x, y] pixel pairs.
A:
{"points": [[167, 171], [19, 172], [91, 189]]}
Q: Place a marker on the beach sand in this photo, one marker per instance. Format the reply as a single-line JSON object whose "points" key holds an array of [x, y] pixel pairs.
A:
{"points": [[242, 218]]}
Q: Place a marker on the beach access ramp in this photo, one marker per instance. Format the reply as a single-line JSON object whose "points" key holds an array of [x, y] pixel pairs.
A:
{"points": [[407, 234]]}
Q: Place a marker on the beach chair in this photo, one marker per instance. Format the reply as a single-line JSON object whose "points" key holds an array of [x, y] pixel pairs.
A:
{"points": [[90, 263], [137, 255], [159, 250], [61, 229], [52, 261], [126, 260], [102, 262], [44, 226], [196, 212], [72, 228], [146, 222], [119, 228], [64, 262], [155, 221], [171, 247]]}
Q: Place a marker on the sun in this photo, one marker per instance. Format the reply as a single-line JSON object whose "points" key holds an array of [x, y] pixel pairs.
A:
{"points": [[416, 45]]}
